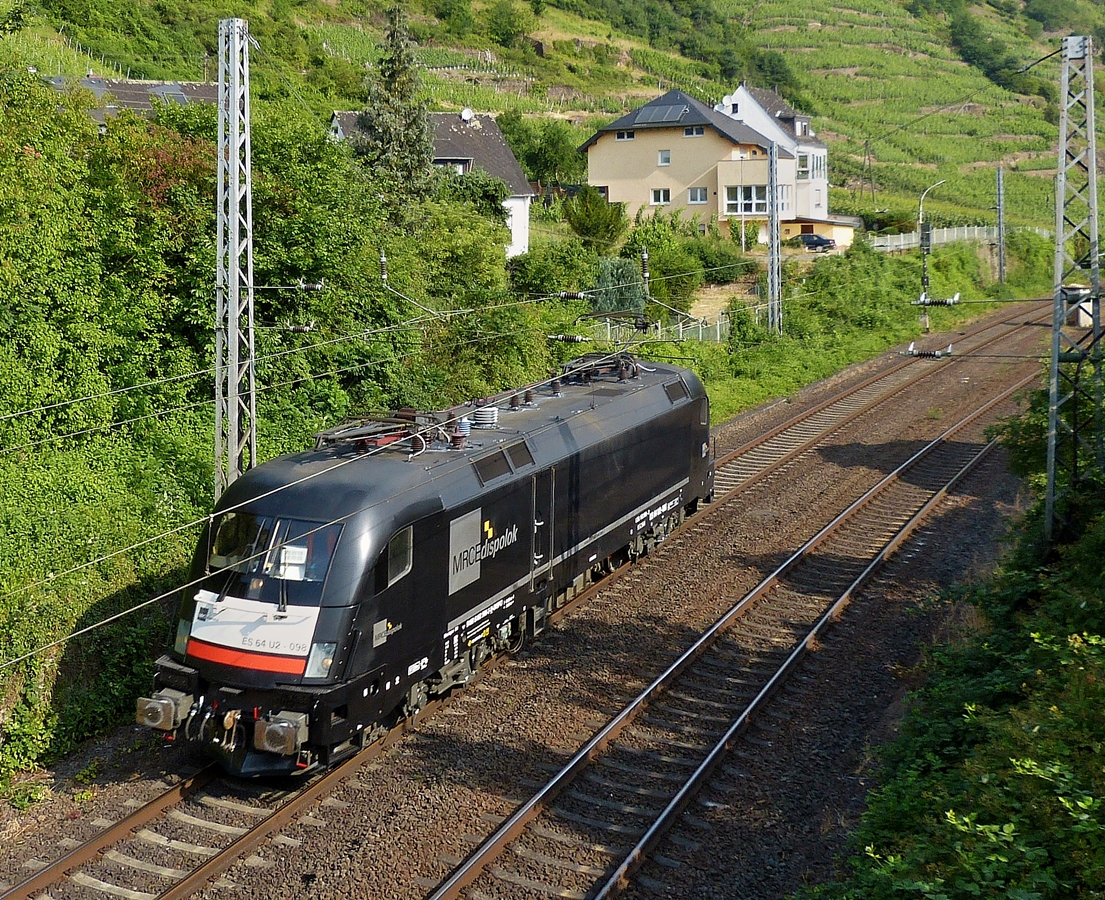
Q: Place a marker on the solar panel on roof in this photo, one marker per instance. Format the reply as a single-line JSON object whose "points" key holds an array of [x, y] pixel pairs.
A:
{"points": [[648, 114]]}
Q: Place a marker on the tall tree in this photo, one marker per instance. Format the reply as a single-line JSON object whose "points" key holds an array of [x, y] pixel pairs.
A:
{"points": [[600, 224], [394, 138]]}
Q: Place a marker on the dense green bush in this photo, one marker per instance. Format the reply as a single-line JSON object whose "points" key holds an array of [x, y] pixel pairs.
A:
{"points": [[564, 265], [106, 347], [995, 787]]}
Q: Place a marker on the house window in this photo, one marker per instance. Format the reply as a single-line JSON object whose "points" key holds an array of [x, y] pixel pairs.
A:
{"points": [[817, 198], [698, 195], [661, 196], [820, 167], [664, 158], [624, 136], [803, 166], [694, 131], [784, 198], [745, 199], [803, 128]]}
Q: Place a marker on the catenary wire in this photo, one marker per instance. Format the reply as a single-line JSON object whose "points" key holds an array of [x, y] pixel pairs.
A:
{"points": [[154, 538], [430, 315], [193, 582]]}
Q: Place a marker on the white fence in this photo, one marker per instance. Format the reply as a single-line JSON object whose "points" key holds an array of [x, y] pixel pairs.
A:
{"points": [[687, 330], [894, 243]]}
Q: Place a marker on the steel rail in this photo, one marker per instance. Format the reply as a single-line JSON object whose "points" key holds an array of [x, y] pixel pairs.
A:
{"points": [[286, 812], [78, 856], [512, 827], [732, 456], [637, 855]]}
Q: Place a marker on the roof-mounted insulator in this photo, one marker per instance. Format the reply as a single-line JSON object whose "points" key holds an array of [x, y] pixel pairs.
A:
{"points": [[383, 267], [927, 354], [926, 300], [555, 385], [569, 338]]}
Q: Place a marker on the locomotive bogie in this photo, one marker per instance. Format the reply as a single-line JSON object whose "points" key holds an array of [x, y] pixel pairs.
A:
{"points": [[345, 586]]}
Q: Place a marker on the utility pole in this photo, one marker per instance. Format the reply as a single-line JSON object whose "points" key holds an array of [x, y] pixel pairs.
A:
{"points": [[1001, 225], [1074, 437], [924, 230], [235, 395], [774, 251]]}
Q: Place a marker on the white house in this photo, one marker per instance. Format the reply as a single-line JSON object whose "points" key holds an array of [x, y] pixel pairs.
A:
{"points": [[466, 141]]}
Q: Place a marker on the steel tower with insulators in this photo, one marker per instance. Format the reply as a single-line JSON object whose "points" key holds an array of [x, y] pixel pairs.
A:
{"points": [[235, 402], [1074, 438]]}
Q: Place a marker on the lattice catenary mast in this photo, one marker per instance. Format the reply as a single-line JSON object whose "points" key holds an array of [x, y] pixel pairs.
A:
{"points": [[1074, 438], [235, 401]]}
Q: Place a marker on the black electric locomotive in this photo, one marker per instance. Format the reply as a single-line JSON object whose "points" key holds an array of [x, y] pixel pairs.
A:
{"points": [[339, 588]]}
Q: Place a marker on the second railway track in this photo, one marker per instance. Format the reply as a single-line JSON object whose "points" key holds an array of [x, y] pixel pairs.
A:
{"points": [[583, 834], [775, 450]]}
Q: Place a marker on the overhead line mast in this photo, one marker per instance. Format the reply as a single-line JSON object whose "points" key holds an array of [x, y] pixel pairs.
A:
{"points": [[235, 388], [1074, 432]]}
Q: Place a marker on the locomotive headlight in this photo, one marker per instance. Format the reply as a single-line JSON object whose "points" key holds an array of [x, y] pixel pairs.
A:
{"points": [[320, 660]]}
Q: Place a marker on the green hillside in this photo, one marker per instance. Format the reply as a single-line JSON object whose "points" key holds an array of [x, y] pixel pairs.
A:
{"points": [[887, 83]]}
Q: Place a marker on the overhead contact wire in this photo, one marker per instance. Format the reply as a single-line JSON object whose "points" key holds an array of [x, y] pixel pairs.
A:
{"points": [[193, 582]]}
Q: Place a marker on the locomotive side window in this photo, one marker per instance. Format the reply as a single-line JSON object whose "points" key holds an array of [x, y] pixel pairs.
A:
{"points": [[489, 467], [519, 455], [704, 412], [396, 559], [676, 390], [286, 549]]}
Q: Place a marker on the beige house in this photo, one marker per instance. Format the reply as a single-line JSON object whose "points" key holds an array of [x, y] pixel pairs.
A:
{"points": [[677, 153]]}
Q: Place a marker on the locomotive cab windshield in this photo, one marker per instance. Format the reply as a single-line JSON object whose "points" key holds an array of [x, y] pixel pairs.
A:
{"points": [[270, 559]]}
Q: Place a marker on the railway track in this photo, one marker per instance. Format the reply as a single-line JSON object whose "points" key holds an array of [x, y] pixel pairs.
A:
{"points": [[585, 832], [769, 451], [188, 837]]}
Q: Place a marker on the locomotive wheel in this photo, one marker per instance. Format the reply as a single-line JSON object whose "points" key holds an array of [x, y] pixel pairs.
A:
{"points": [[373, 734], [480, 654]]}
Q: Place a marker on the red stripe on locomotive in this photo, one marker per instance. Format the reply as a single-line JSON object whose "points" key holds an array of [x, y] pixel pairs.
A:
{"points": [[246, 659]]}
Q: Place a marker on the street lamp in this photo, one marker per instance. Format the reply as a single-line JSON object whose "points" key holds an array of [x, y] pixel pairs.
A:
{"points": [[925, 245], [921, 202]]}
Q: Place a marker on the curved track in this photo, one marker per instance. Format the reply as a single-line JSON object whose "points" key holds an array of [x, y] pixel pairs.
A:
{"points": [[206, 824], [593, 823]]}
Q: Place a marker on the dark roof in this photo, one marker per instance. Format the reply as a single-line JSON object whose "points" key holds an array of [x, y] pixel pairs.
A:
{"points": [[476, 140], [140, 96], [346, 121], [773, 104], [675, 109], [776, 107]]}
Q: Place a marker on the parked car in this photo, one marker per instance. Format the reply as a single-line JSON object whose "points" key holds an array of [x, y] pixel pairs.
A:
{"points": [[815, 243]]}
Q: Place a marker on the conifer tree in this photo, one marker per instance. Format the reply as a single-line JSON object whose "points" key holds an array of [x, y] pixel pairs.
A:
{"points": [[394, 138]]}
